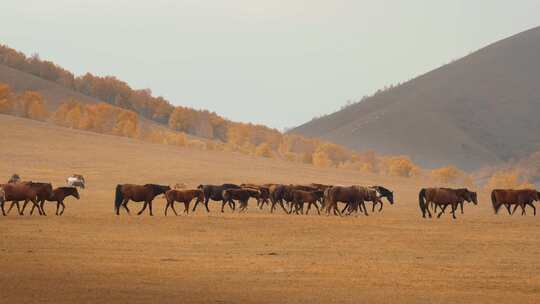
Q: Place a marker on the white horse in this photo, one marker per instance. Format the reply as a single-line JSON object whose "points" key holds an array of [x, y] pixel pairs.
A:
{"points": [[76, 180]]}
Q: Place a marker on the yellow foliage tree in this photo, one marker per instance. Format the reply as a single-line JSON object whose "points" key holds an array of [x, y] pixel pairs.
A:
{"points": [[264, 150], [401, 166], [508, 180], [448, 174]]}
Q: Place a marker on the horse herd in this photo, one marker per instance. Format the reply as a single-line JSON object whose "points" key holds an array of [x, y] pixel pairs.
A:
{"points": [[16, 190], [292, 199]]}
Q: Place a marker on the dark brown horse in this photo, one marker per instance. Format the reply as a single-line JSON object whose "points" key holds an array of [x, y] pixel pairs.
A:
{"points": [[463, 192], [265, 193], [521, 198], [182, 196], [214, 192], [137, 193], [15, 192], [277, 193], [59, 194], [300, 197], [241, 195], [352, 196], [444, 197]]}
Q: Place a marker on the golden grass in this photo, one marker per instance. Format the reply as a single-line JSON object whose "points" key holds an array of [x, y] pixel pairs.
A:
{"points": [[91, 255]]}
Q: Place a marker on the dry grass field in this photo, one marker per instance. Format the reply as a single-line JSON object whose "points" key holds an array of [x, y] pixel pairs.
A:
{"points": [[91, 255]]}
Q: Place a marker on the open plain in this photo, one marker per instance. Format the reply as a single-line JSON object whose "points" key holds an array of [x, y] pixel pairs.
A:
{"points": [[92, 255]]}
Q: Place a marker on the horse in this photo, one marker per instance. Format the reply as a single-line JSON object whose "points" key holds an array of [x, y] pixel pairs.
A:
{"points": [[367, 194], [520, 198], [59, 194], [463, 192], [214, 192], [277, 193], [16, 192], [137, 193], [15, 178], [383, 192], [300, 197], [353, 196], [182, 196], [43, 192], [444, 197], [241, 195], [265, 193], [76, 180]]}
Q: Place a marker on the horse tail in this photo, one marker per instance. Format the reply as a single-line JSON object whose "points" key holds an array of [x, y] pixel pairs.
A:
{"points": [[118, 197], [422, 201], [494, 202]]}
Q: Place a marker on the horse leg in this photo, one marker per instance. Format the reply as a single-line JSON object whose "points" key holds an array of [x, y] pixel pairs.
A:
{"points": [[150, 208], [42, 207], [522, 205], [186, 206], [442, 210], [347, 205], [454, 207], [2, 207], [362, 204], [63, 207], [532, 205], [283, 206], [461, 205], [223, 206], [515, 207], [143, 208], [125, 205]]}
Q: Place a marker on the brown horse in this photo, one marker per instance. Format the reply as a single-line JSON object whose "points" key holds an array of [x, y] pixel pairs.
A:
{"points": [[463, 192], [368, 194], [43, 192], [59, 194], [137, 193], [182, 196], [300, 197], [520, 198], [443, 197], [214, 192], [353, 196], [265, 193], [277, 193], [241, 195], [15, 192]]}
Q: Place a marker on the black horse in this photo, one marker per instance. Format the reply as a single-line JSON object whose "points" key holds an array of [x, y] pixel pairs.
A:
{"points": [[215, 193], [383, 192]]}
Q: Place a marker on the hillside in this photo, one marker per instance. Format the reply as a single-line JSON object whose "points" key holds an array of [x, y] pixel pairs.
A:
{"points": [[479, 110], [52, 92]]}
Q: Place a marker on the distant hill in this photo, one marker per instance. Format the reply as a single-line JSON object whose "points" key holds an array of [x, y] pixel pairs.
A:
{"points": [[52, 92], [480, 110]]}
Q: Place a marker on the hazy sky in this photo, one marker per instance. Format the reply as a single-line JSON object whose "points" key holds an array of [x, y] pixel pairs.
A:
{"points": [[267, 61]]}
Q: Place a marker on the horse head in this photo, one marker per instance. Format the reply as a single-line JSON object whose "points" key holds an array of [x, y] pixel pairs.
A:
{"points": [[472, 197], [75, 193]]}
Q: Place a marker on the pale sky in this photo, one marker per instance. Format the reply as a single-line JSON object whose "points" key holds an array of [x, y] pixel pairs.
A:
{"points": [[274, 62]]}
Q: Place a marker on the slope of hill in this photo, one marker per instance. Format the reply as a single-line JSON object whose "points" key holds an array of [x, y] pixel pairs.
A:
{"points": [[479, 110], [52, 92]]}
